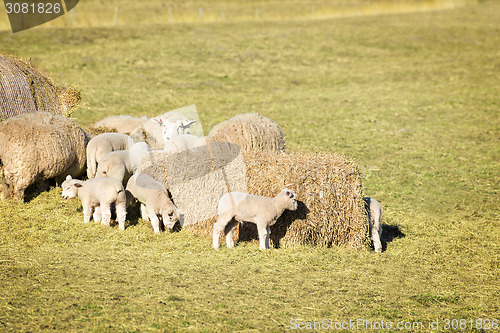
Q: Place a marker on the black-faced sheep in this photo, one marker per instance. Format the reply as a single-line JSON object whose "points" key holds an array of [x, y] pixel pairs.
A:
{"points": [[235, 207], [154, 200], [102, 144], [374, 212], [116, 165], [38, 146], [97, 195]]}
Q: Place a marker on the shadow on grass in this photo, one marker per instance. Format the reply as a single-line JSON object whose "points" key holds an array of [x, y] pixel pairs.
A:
{"points": [[389, 233]]}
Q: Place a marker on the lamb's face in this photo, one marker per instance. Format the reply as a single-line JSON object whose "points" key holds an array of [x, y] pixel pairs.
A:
{"points": [[70, 188], [170, 217], [291, 197]]}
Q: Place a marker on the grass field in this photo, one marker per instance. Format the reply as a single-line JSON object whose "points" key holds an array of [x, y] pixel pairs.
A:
{"points": [[413, 98]]}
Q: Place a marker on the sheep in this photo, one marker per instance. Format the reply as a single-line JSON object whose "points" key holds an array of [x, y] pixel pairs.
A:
{"points": [[374, 212], [97, 195], [121, 124], [155, 201], [115, 164], [235, 207], [102, 144], [38, 146], [183, 142], [137, 151]]}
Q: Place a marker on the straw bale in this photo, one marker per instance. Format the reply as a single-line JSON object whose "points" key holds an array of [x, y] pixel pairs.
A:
{"points": [[197, 178], [331, 207], [24, 89], [251, 131]]}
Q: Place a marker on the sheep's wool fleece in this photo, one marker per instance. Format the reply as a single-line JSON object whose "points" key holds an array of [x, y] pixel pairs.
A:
{"points": [[37, 146]]}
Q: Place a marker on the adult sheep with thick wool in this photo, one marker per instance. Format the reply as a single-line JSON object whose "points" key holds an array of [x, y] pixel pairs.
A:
{"points": [[102, 144], [121, 124], [38, 146]]}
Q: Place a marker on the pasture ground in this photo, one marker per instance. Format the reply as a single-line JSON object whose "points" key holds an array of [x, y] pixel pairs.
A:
{"points": [[413, 98]]}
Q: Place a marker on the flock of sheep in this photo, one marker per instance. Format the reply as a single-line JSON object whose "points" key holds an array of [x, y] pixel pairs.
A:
{"points": [[40, 146]]}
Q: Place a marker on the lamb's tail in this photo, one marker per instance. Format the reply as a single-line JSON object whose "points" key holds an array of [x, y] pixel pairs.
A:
{"points": [[91, 166]]}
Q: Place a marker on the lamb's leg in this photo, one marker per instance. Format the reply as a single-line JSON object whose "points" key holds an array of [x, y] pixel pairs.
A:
{"points": [[87, 212], [376, 232], [264, 231], [221, 223], [144, 212], [229, 230], [97, 214], [121, 214], [105, 213], [155, 221]]}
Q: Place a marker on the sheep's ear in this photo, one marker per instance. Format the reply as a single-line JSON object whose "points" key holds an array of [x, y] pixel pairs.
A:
{"points": [[188, 123], [289, 194], [68, 177], [159, 121]]}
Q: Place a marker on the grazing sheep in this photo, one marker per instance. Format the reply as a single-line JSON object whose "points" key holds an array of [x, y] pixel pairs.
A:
{"points": [[137, 151], [237, 207], [183, 142], [115, 164], [154, 200], [374, 211], [121, 124], [38, 146], [102, 144], [97, 195]]}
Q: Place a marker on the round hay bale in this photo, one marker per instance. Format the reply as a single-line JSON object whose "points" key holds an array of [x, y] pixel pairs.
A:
{"points": [[330, 194], [251, 131], [23, 89]]}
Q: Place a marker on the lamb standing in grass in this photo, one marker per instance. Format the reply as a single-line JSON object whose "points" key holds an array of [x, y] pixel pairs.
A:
{"points": [[97, 195], [154, 200], [374, 211], [102, 144], [235, 207], [115, 164]]}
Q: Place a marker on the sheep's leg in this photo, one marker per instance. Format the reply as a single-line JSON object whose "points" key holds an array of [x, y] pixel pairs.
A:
{"points": [[144, 212], [221, 223], [376, 233], [87, 212], [97, 214], [264, 230], [229, 230], [121, 214], [155, 221], [105, 213]]}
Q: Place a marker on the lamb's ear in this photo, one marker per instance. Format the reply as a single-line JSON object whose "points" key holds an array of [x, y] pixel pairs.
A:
{"points": [[289, 194], [188, 123], [158, 120], [68, 177]]}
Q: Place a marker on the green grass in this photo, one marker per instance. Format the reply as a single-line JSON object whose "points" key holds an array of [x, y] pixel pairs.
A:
{"points": [[412, 98]]}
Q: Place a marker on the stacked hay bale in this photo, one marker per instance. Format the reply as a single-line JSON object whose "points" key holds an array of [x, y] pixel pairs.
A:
{"points": [[23, 89], [331, 207], [251, 131]]}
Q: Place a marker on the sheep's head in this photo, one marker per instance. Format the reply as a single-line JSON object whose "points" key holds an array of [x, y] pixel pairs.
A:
{"points": [[70, 187], [171, 129], [290, 199], [170, 216]]}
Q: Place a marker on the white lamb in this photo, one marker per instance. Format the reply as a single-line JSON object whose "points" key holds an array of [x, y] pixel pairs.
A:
{"points": [[183, 142], [235, 207], [374, 211], [155, 201], [102, 144], [97, 195], [115, 164], [137, 152]]}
